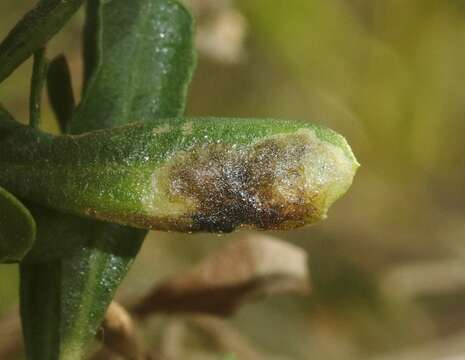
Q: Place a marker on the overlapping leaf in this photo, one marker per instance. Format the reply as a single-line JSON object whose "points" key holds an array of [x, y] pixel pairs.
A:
{"points": [[17, 228], [33, 31], [139, 62]]}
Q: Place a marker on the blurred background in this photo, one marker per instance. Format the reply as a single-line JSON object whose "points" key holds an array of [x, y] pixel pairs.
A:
{"points": [[387, 267]]}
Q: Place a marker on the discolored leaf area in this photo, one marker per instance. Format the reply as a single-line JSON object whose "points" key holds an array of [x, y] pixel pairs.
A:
{"points": [[17, 228], [260, 173], [253, 267]]}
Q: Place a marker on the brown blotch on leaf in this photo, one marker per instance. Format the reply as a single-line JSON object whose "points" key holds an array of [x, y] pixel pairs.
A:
{"points": [[231, 187]]}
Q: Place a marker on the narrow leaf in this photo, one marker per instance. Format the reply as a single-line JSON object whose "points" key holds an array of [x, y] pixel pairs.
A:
{"points": [[261, 173], [119, 333], [60, 90], [58, 235], [33, 31], [144, 66], [92, 39], [17, 228], [39, 303], [89, 278]]}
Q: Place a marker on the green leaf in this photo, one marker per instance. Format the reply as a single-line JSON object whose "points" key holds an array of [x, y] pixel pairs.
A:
{"points": [[143, 68], [60, 90], [91, 50], [185, 174], [58, 235], [63, 302], [33, 31], [17, 228], [40, 296], [91, 272]]}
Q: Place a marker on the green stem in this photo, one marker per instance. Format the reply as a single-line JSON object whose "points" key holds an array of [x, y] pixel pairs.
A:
{"points": [[39, 73]]}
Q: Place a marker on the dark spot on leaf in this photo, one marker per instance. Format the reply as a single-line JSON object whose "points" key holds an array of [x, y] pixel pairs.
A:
{"points": [[233, 186]]}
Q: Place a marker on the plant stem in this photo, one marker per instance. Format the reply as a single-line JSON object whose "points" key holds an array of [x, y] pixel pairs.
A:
{"points": [[39, 72]]}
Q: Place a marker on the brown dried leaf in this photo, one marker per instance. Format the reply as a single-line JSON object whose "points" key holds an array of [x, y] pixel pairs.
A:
{"points": [[243, 270], [120, 336]]}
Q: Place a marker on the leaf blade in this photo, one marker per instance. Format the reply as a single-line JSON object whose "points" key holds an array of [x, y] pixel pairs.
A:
{"points": [[60, 90], [17, 228], [262, 173], [37, 27], [141, 76]]}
